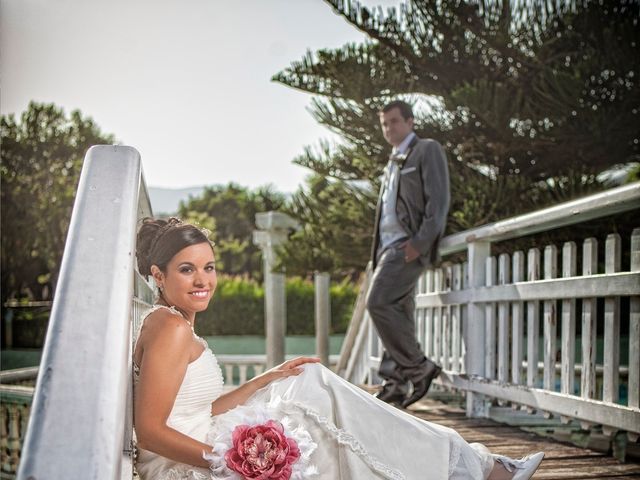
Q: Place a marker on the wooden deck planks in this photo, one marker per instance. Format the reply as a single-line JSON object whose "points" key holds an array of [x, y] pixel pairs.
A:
{"points": [[562, 461]]}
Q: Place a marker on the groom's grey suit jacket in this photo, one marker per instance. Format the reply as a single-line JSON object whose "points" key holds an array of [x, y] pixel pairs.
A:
{"points": [[423, 199]]}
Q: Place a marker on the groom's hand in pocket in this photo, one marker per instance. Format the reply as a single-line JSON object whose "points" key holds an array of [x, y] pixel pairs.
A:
{"points": [[410, 253]]}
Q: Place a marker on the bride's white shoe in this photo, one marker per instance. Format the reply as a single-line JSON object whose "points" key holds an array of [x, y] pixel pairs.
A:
{"points": [[524, 468]]}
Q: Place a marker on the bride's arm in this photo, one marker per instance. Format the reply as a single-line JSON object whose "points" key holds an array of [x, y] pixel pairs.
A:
{"points": [[240, 395], [167, 347]]}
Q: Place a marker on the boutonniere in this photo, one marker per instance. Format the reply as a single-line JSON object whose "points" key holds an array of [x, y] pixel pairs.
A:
{"points": [[398, 158]]}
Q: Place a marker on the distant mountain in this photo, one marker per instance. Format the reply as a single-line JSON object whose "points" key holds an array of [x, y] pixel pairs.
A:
{"points": [[165, 201]]}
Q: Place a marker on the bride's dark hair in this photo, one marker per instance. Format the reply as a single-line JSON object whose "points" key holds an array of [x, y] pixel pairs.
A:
{"points": [[159, 240]]}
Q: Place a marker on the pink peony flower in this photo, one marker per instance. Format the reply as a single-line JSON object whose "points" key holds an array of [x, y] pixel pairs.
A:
{"points": [[262, 452]]}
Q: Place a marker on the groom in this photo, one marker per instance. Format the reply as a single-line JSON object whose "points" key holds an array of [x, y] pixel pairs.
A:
{"points": [[410, 219]]}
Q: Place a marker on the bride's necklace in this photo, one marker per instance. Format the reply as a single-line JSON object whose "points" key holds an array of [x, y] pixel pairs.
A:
{"points": [[175, 309]]}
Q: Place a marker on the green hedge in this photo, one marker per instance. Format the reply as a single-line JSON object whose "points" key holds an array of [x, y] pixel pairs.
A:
{"points": [[29, 326], [238, 307]]}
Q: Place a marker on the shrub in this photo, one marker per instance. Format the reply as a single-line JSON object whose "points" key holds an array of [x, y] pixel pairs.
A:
{"points": [[238, 307]]}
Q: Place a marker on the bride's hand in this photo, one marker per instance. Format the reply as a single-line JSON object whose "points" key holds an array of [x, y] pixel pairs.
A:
{"points": [[286, 369]]}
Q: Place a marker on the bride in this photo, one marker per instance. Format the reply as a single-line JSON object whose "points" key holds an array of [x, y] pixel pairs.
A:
{"points": [[298, 420]]}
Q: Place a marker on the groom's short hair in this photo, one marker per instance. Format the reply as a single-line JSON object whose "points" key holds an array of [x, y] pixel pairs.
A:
{"points": [[405, 109]]}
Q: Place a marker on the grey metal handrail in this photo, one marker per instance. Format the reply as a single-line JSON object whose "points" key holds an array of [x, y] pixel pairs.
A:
{"points": [[77, 423], [610, 202]]}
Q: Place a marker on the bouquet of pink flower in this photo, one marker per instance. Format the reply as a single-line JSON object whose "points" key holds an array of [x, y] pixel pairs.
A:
{"points": [[262, 452], [260, 442]]}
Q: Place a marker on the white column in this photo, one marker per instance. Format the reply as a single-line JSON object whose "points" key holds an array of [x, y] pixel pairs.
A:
{"points": [[273, 230]]}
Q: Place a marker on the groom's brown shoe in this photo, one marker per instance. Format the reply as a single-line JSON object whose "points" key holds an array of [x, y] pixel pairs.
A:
{"points": [[421, 387], [391, 395]]}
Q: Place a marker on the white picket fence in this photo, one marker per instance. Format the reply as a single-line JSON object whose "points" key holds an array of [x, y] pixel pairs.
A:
{"points": [[86, 368], [480, 319]]}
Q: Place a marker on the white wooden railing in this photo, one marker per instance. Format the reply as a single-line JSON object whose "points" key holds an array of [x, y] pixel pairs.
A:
{"points": [[237, 369], [84, 387], [16, 393], [480, 319], [80, 420]]}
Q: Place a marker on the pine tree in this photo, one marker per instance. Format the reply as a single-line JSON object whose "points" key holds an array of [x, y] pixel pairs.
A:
{"points": [[229, 211], [42, 155], [531, 100]]}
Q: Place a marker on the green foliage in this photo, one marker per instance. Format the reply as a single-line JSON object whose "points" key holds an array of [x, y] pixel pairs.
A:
{"points": [[238, 307], [29, 327], [42, 156], [229, 212], [531, 100], [634, 173], [300, 306], [336, 219], [343, 300]]}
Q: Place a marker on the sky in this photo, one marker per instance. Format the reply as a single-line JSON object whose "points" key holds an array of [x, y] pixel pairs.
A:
{"points": [[185, 82]]}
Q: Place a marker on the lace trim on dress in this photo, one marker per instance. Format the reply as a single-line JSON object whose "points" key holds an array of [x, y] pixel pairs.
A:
{"points": [[183, 473], [454, 454], [348, 440]]}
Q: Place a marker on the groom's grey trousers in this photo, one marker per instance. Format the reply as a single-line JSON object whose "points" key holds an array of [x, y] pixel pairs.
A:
{"points": [[422, 204], [391, 305]]}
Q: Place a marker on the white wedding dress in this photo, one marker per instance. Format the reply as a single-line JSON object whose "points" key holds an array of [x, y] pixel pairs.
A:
{"points": [[349, 434]]}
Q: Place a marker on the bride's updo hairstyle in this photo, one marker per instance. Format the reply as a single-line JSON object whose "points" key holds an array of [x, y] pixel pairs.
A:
{"points": [[159, 240]]}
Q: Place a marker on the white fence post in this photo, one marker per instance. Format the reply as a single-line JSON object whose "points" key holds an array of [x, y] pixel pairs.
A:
{"points": [[429, 347], [533, 322], [437, 319], [589, 324], [550, 326], [567, 375], [494, 309], [477, 255], [610, 380], [504, 278], [456, 349], [634, 333], [490, 322], [323, 315], [517, 327]]}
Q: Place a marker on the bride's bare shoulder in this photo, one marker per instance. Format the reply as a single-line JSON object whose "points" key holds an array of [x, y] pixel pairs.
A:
{"points": [[165, 322]]}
